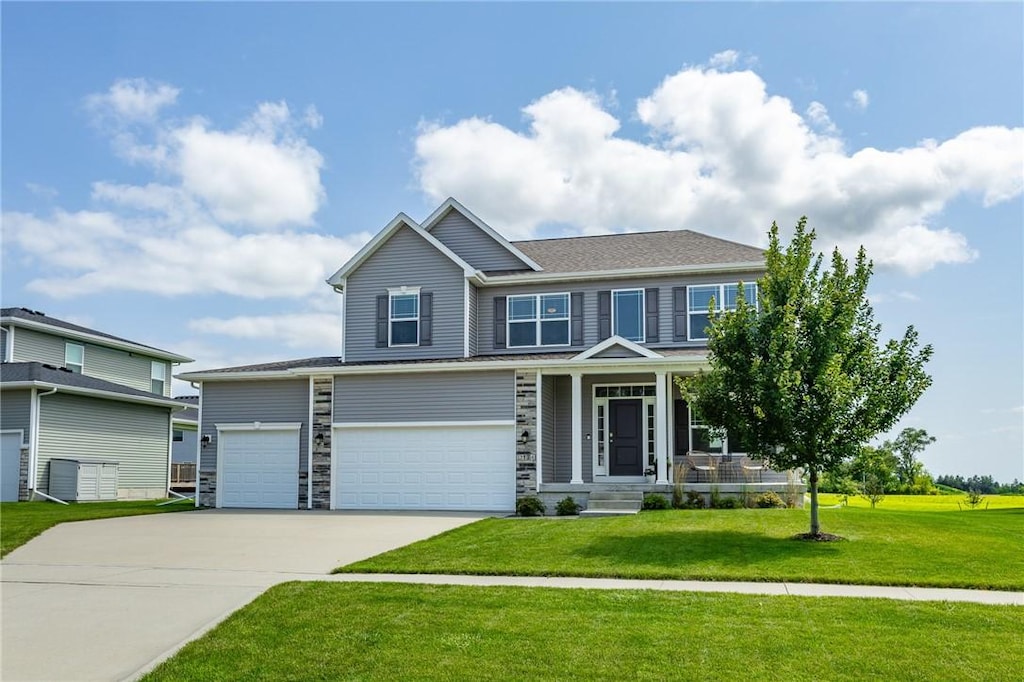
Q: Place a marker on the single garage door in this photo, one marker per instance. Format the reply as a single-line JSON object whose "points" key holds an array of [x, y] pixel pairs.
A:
{"points": [[260, 468], [450, 467], [10, 465]]}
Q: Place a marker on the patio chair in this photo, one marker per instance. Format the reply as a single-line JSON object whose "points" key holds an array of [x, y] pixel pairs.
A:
{"points": [[702, 462], [751, 467]]}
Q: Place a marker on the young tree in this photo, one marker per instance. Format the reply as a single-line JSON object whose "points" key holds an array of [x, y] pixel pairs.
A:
{"points": [[874, 469], [907, 445], [800, 377]]}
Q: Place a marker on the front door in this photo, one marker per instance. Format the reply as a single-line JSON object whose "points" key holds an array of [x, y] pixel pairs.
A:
{"points": [[625, 437]]}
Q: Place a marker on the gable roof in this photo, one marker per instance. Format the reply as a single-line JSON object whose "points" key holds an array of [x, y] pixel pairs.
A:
{"points": [[33, 319], [398, 222], [451, 204], [635, 349], [39, 375], [668, 248]]}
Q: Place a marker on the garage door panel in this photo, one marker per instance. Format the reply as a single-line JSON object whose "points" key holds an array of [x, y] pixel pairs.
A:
{"points": [[260, 469], [451, 468]]}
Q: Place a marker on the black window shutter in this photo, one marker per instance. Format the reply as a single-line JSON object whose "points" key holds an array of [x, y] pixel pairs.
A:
{"points": [[679, 313], [499, 322], [604, 315], [426, 318], [651, 303], [576, 319], [382, 321]]}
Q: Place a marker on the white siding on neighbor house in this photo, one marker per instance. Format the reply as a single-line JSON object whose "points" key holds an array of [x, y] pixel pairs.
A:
{"points": [[473, 245], [238, 402], [485, 306], [78, 427], [16, 411], [406, 259], [110, 364], [425, 397]]}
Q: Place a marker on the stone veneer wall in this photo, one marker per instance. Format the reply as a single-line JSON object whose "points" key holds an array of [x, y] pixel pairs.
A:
{"points": [[23, 474], [526, 422], [323, 413], [207, 488]]}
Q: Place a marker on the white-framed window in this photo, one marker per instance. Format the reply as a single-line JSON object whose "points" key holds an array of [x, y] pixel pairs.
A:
{"points": [[538, 320], [703, 438], [699, 300], [628, 314], [157, 377], [74, 356], [404, 318], [178, 436]]}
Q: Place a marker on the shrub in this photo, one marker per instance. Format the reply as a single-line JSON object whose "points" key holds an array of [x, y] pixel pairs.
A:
{"points": [[655, 501], [727, 503], [694, 500], [530, 506], [567, 507], [769, 500]]}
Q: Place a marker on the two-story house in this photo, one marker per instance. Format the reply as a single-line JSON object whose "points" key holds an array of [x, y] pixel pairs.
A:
{"points": [[474, 370], [71, 393]]}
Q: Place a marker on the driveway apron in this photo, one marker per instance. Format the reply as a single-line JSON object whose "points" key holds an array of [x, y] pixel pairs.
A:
{"points": [[104, 600]]}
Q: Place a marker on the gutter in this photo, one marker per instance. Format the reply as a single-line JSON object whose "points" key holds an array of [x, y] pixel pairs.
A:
{"points": [[175, 405], [33, 451]]}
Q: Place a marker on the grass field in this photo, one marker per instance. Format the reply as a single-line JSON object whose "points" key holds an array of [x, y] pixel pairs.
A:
{"points": [[339, 631], [928, 502], [977, 549], [22, 521]]}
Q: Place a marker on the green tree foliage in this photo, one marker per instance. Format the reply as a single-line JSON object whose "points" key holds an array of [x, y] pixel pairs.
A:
{"points": [[908, 444], [800, 377], [874, 469], [983, 484]]}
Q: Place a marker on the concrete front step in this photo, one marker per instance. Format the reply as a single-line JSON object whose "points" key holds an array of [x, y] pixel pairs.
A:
{"points": [[608, 512], [632, 496], [614, 504]]}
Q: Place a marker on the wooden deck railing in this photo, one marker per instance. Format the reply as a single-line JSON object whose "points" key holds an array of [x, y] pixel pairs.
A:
{"points": [[183, 473]]}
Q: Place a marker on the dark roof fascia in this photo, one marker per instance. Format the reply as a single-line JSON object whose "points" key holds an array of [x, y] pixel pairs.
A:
{"points": [[486, 280], [93, 392]]}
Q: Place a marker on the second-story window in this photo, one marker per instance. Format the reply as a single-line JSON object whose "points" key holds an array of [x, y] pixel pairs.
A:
{"points": [[538, 320], [404, 321], [158, 377], [724, 295], [74, 356], [628, 314]]}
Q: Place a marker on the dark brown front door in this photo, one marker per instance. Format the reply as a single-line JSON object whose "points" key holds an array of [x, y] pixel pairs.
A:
{"points": [[625, 437]]}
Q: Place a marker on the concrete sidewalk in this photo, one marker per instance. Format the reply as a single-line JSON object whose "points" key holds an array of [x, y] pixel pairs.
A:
{"points": [[777, 589]]}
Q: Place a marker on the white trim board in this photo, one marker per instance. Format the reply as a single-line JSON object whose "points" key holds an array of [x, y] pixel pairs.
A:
{"points": [[417, 425], [260, 426]]}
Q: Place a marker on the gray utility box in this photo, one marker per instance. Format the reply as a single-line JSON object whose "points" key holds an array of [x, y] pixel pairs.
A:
{"points": [[83, 480]]}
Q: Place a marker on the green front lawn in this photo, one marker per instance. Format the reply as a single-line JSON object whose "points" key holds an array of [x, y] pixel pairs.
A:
{"points": [[334, 631], [977, 549], [22, 521]]}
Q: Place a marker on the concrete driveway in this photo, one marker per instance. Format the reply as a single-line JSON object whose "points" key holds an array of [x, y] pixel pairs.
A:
{"points": [[105, 600]]}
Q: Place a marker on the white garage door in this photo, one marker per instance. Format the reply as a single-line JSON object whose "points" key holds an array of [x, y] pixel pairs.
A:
{"points": [[259, 468], [460, 467], [10, 465]]}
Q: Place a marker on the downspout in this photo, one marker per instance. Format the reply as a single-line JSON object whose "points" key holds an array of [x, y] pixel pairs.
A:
{"points": [[199, 437], [33, 452]]}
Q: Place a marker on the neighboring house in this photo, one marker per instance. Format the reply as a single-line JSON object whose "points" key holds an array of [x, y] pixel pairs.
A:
{"points": [[185, 433], [474, 370], [70, 392]]}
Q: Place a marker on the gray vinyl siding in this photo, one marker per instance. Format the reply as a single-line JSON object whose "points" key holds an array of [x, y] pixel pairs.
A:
{"points": [[110, 364], [3, 345], [427, 396], [546, 393], [16, 412], [78, 427], [185, 451], [485, 306], [235, 402], [473, 245], [474, 316], [405, 259], [562, 406], [33, 346]]}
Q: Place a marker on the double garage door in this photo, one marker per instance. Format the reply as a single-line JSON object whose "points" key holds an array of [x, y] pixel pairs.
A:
{"points": [[402, 467]]}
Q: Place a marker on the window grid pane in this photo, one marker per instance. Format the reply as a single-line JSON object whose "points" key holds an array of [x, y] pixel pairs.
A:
{"points": [[405, 306], [628, 312]]}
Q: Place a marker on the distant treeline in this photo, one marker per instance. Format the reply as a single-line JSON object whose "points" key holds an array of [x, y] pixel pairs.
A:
{"points": [[983, 484]]}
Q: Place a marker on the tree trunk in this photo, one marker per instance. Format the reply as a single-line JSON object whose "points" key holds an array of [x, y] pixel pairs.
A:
{"points": [[815, 526]]}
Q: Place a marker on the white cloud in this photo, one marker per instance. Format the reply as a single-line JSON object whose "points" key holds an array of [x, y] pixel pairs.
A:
{"points": [[886, 297], [301, 330], [132, 99], [724, 60], [221, 218], [42, 191], [312, 117], [721, 155], [859, 99]]}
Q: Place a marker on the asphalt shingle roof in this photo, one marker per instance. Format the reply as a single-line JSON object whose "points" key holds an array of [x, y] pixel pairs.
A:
{"points": [[17, 372], [42, 318], [670, 248]]}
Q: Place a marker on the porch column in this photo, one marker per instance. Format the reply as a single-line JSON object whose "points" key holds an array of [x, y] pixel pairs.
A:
{"points": [[661, 424], [577, 428]]}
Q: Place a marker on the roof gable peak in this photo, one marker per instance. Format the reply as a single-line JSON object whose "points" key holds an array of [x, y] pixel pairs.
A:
{"points": [[452, 204]]}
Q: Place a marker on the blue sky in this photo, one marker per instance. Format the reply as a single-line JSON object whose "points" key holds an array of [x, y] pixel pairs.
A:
{"points": [[186, 175]]}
